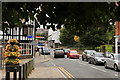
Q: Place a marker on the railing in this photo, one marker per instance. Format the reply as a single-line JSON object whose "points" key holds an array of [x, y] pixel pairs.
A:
{"points": [[23, 71]]}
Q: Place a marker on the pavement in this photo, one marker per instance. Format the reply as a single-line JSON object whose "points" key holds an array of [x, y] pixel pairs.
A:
{"points": [[2, 71], [42, 71]]}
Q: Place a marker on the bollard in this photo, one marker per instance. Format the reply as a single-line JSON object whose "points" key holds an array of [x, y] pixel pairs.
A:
{"points": [[7, 75], [26, 70], [19, 72], [30, 66], [15, 74], [24, 78]]}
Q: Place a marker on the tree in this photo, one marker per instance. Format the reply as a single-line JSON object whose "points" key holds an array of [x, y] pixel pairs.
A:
{"points": [[66, 37], [90, 21], [77, 15], [76, 38]]}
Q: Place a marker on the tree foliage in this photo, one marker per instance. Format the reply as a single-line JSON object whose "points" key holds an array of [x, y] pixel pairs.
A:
{"points": [[90, 21], [66, 37]]}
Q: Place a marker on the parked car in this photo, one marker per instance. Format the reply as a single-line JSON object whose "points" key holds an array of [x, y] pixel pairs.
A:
{"points": [[73, 54], [113, 61], [46, 50], [59, 53], [66, 51], [96, 58], [86, 54]]}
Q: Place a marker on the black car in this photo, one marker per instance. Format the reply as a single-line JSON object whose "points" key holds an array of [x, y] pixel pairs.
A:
{"points": [[59, 53], [66, 51]]}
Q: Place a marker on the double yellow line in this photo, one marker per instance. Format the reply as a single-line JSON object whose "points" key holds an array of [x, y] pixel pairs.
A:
{"points": [[66, 73]]}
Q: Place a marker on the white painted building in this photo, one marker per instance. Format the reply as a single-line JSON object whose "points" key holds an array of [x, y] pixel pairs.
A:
{"points": [[54, 38]]}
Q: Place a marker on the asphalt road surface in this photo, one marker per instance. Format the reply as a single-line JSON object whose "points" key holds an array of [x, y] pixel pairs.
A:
{"points": [[0, 61], [81, 69]]}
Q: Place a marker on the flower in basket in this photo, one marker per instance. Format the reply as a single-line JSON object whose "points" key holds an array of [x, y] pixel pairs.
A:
{"points": [[12, 48], [11, 61], [12, 40], [12, 54]]}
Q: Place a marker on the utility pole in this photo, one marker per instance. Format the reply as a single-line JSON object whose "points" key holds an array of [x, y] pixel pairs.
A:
{"points": [[117, 36]]}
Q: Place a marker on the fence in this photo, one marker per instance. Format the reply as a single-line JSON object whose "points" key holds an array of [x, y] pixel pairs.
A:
{"points": [[23, 71]]}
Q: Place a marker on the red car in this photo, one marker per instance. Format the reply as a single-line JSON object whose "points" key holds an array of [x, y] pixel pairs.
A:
{"points": [[73, 54]]}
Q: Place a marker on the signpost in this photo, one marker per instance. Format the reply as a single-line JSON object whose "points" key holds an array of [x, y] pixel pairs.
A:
{"points": [[34, 43], [1, 47], [30, 36]]}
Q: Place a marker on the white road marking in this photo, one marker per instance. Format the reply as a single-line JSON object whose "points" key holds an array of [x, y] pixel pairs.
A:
{"points": [[53, 64], [77, 61], [97, 68], [81, 63], [116, 74]]}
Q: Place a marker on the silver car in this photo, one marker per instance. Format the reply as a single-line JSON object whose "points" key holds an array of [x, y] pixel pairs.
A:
{"points": [[46, 51], [113, 61], [86, 54], [96, 58]]}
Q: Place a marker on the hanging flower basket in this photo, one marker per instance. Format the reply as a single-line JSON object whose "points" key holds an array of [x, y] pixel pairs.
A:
{"points": [[11, 67], [12, 54]]}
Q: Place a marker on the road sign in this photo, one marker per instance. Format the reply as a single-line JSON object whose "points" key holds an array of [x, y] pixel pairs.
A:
{"points": [[34, 43], [30, 36], [39, 37]]}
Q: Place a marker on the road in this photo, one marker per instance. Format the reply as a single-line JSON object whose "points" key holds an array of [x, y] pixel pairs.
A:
{"points": [[0, 61], [81, 69]]}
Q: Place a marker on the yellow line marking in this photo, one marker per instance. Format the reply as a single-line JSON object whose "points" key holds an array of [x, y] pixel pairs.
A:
{"points": [[68, 72], [65, 72]]}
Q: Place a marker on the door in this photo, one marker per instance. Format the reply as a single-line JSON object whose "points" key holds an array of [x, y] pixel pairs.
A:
{"points": [[110, 60]]}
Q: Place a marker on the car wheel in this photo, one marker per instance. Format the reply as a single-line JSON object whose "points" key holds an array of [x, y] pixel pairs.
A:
{"points": [[115, 67], [105, 64], [89, 61], [82, 59], [95, 62]]}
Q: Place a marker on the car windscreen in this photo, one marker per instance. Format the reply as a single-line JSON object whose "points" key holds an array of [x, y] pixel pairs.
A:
{"points": [[73, 51], [117, 57], [59, 50], [89, 52], [66, 49], [98, 55]]}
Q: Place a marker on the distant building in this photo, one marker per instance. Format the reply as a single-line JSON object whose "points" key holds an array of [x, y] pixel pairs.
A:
{"points": [[54, 38], [42, 39]]}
